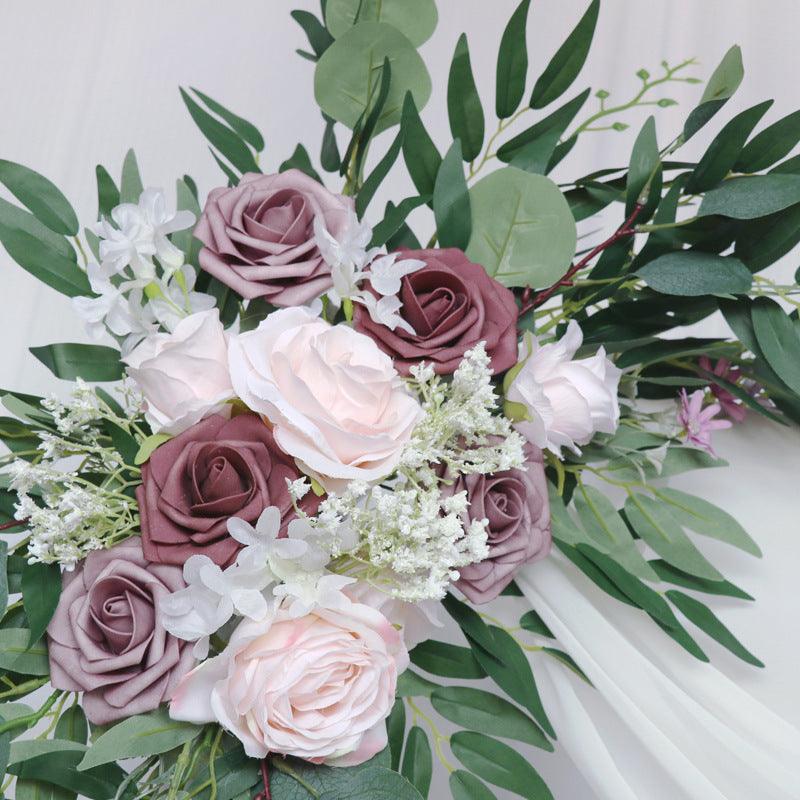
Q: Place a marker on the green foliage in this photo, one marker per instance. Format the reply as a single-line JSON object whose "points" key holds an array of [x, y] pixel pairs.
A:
{"points": [[523, 232], [722, 84], [512, 63], [41, 589], [464, 108], [141, 735], [416, 19], [345, 77], [300, 159], [691, 273], [452, 203], [92, 362], [446, 660], [417, 766]]}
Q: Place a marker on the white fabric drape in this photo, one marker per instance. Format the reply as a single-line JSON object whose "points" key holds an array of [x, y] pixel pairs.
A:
{"points": [[694, 733]]}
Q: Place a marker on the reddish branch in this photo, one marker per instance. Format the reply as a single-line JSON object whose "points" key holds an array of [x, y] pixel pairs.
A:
{"points": [[13, 524], [626, 229], [266, 794]]}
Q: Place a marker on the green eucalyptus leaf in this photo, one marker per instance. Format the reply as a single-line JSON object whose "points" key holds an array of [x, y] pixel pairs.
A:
{"points": [[653, 521], [478, 710], [149, 445], [394, 219], [761, 242], [523, 232], [347, 73], [452, 204], [644, 163], [376, 177], [417, 766], [72, 726], [705, 619], [725, 149], [92, 362], [779, 340], [724, 81], [446, 660], [25, 789], [499, 764], [692, 273], [512, 63], [319, 36], [416, 19], [3, 577], [141, 735], [41, 589], [40, 196], [533, 623], [409, 684], [329, 156], [17, 656], [568, 60], [464, 108], [470, 621]]}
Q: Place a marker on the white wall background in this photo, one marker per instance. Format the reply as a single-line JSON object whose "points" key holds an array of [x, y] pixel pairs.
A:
{"points": [[81, 82]]}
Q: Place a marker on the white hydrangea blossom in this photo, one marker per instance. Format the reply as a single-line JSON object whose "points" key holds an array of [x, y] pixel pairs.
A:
{"points": [[141, 282], [352, 263], [410, 541]]}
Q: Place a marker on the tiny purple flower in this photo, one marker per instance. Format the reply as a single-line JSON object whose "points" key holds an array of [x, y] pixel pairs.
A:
{"points": [[732, 407], [698, 423]]}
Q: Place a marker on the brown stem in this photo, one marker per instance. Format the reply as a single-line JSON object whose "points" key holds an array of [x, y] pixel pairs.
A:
{"points": [[13, 524], [626, 229], [266, 794]]}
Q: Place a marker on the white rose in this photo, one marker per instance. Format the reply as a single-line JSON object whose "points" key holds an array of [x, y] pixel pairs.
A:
{"points": [[184, 374], [334, 398], [568, 400]]}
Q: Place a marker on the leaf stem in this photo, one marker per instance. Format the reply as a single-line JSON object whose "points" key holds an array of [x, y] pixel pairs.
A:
{"points": [[29, 720]]}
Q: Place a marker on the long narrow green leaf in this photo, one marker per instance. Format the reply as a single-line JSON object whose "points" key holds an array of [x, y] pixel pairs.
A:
{"points": [[375, 178], [418, 760], [245, 129], [40, 196], [568, 60], [770, 145], [130, 185], [107, 192], [451, 202], [464, 108], [778, 339], [512, 63], [92, 362], [421, 156], [705, 619], [724, 81]]}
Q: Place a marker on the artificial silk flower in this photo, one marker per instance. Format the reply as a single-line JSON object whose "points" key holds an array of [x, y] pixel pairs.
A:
{"points": [[262, 691], [566, 400], [178, 300], [334, 400], [139, 233], [183, 375], [698, 423], [733, 407]]}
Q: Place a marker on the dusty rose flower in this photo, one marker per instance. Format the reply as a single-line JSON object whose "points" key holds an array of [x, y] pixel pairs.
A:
{"points": [[451, 304], [106, 640], [259, 236], [215, 470], [516, 504], [318, 687], [731, 406], [335, 400]]}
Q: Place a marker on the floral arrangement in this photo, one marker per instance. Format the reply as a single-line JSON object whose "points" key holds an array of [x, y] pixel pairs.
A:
{"points": [[315, 438]]}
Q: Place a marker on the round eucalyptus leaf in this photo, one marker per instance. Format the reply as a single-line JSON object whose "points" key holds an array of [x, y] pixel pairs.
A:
{"points": [[523, 232], [415, 18], [349, 72]]}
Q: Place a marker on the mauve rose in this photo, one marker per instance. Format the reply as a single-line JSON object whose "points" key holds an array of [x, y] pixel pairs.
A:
{"points": [[106, 640], [452, 304], [259, 236], [215, 470], [518, 509]]}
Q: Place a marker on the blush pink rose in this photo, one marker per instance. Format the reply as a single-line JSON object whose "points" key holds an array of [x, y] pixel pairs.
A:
{"points": [[318, 687], [183, 375], [335, 401], [259, 236]]}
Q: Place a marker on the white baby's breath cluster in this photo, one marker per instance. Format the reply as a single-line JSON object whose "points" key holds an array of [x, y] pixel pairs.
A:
{"points": [[411, 537], [71, 489]]}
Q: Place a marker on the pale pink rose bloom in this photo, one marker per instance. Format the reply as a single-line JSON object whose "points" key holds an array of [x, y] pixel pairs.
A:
{"points": [[183, 375], [335, 401], [318, 687], [568, 399]]}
